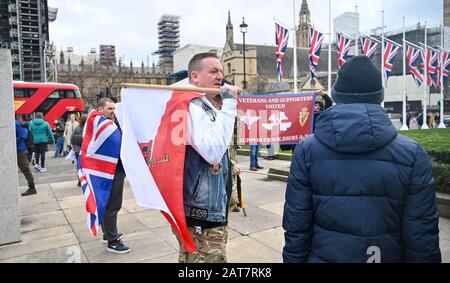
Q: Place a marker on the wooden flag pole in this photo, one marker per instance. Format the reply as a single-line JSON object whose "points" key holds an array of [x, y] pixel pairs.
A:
{"points": [[173, 88]]}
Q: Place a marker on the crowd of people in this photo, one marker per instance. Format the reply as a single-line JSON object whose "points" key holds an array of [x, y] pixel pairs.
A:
{"points": [[355, 184]]}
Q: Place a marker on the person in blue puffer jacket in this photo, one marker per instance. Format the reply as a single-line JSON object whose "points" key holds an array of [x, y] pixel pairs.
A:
{"points": [[358, 191]]}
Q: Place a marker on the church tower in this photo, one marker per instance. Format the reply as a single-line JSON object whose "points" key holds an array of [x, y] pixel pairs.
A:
{"points": [[302, 30], [230, 36]]}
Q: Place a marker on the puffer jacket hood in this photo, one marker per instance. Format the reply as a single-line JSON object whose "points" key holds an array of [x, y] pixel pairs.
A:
{"points": [[38, 121], [355, 128]]}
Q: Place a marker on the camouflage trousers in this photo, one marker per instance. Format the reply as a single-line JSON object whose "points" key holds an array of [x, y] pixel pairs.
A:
{"points": [[211, 246]]}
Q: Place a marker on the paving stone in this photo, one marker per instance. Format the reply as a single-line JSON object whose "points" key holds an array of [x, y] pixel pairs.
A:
{"points": [[42, 221], [247, 250], [144, 246], [257, 220]]}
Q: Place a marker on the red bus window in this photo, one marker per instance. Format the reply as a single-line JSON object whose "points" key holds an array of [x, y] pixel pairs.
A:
{"points": [[24, 92]]}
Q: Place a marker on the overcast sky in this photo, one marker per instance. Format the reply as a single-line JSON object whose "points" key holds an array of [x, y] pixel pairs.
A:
{"points": [[132, 25]]}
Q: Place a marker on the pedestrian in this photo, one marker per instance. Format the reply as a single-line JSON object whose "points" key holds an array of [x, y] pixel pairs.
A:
{"points": [[208, 175], [358, 191], [320, 105], [59, 136], [270, 152], [77, 140], [69, 128], [22, 160], [111, 235], [42, 133], [254, 152]]}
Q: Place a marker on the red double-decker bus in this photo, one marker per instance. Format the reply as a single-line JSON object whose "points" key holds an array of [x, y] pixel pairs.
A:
{"points": [[53, 100]]}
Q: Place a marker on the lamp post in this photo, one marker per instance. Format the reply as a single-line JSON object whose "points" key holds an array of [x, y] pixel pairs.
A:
{"points": [[243, 27], [233, 72]]}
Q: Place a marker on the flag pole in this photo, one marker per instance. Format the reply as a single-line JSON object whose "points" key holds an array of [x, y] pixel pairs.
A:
{"points": [[425, 81], [405, 125], [173, 88], [357, 34], [441, 124], [382, 53], [330, 32], [295, 51]]}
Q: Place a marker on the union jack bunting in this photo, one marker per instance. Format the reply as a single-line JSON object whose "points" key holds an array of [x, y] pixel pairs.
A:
{"points": [[315, 46], [412, 55], [432, 60], [390, 51], [282, 40], [343, 48], [368, 46], [99, 155], [437, 77]]}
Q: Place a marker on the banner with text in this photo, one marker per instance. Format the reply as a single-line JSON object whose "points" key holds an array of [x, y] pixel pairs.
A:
{"points": [[275, 119]]}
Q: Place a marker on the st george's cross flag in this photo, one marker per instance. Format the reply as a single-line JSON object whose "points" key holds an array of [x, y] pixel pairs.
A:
{"points": [[153, 122]]}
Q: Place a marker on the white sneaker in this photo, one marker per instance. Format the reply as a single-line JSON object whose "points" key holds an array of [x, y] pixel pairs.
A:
{"points": [[42, 169]]}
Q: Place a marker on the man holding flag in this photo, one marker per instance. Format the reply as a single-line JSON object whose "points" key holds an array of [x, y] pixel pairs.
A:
{"points": [[207, 176]]}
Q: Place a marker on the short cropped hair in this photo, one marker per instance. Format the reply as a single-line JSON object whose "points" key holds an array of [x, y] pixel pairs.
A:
{"points": [[196, 61], [102, 102]]}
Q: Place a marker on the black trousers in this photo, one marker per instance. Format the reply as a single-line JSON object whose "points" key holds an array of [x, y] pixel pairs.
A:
{"points": [[109, 222], [40, 149], [24, 167]]}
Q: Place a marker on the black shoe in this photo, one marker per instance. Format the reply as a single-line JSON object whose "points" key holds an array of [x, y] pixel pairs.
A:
{"points": [[119, 237], [117, 247], [269, 158], [259, 167], [30, 191], [236, 209]]}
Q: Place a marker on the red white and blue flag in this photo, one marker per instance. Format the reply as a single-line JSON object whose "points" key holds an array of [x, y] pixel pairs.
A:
{"points": [[390, 51], [432, 63], [315, 46], [368, 46], [445, 63], [98, 161], [282, 40], [412, 56], [154, 128], [343, 43]]}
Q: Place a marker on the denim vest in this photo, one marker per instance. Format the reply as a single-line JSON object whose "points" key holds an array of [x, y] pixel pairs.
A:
{"points": [[205, 187]]}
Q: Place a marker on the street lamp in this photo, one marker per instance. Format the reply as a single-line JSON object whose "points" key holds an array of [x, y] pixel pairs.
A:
{"points": [[243, 27], [233, 72]]}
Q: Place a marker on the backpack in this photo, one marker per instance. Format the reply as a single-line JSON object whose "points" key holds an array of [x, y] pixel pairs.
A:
{"points": [[29, 142]]}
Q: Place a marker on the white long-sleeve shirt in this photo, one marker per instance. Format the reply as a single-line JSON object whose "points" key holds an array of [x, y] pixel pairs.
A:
{"points": [[211, 138]]}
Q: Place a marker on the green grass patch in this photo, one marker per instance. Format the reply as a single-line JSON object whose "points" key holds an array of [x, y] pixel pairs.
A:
{"points": [[437, 140]]}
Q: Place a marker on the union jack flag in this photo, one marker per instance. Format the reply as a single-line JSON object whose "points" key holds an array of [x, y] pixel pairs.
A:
{"points": [[432, 63], [368, 46], [445, 63], [343, 48], [390, 51], [99, 155], [282, 40], [412, 55], [315, 46]]}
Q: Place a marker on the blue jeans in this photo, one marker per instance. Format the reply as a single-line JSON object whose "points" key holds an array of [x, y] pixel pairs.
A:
{"points": [[254, 150], [59, 146]]}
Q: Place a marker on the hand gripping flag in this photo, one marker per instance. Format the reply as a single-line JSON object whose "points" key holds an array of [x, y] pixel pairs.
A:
{"points": [[99, 155], [368, 46], [412, 55], [343, 48], [153, 122], [390, 51], [315, 46], [282, 40]]}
